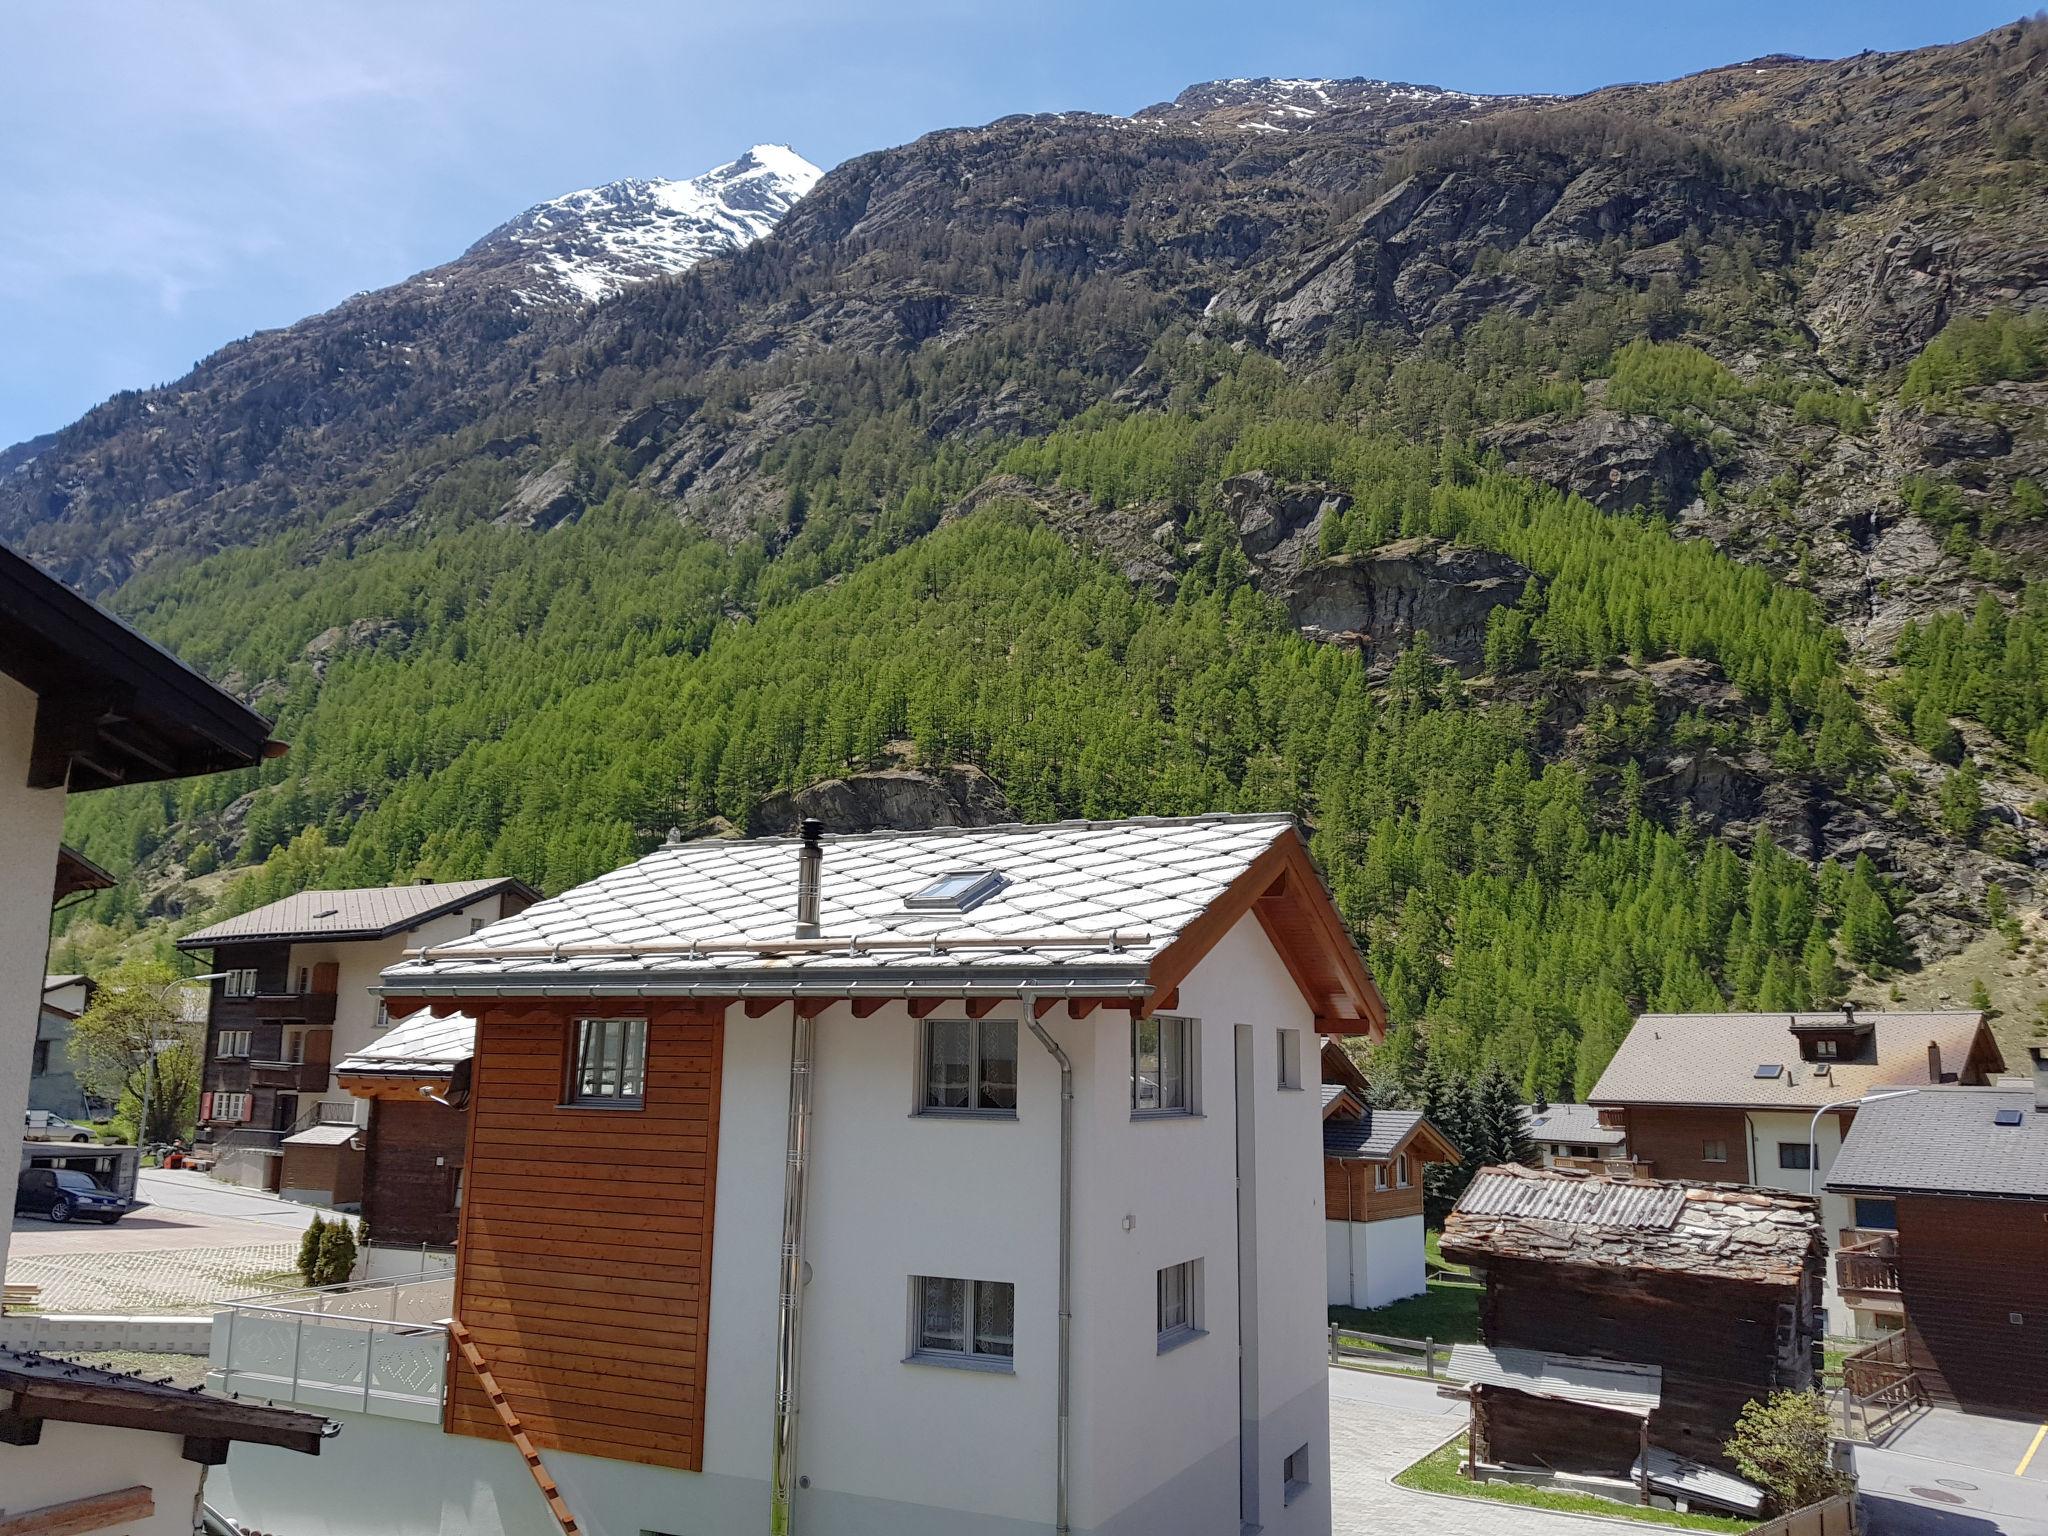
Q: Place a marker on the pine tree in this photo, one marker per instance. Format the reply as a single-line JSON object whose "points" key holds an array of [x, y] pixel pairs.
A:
{"points": [[1501, 1134]]}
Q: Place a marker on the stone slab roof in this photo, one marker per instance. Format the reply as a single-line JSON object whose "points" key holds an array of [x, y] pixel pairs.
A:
{"points": [[1086, 905], [421, 1046], [1947, 1141], [369, 912], [1559, 1216], [1712, 1058], [1570, 1124]]}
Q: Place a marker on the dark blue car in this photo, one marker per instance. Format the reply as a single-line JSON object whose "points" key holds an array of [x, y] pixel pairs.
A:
{"points": [[62, 1193]]}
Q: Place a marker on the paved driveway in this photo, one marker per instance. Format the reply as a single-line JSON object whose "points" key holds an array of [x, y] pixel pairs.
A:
{"points": [[195, 1242], [1953, 1474], [1378, 1426]]}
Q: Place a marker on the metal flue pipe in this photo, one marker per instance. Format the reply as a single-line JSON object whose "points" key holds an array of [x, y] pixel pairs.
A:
{"points": [[1062, 1455], [810, 866]]}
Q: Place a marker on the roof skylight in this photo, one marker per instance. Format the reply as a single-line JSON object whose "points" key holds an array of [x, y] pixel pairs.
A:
{"points": [[1770, 1070], [2006, 1117], [958, 891]]}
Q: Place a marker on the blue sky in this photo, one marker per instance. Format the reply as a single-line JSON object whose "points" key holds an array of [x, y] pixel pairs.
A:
{"points": [[178, 173]]}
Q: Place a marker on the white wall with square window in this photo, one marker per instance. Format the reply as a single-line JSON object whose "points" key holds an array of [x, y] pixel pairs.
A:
{"points": [[1179, 1291], [968, 1067], [963, 1322], [1165, 1067]]}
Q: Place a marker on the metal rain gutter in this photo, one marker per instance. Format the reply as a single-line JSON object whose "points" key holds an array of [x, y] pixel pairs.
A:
{"points": [[1062, 1454], [896, 985], [789, 1310]]}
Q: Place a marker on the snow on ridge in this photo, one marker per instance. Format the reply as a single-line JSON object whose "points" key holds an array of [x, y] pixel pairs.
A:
{"points": [[1302, 100], [589, 245]]}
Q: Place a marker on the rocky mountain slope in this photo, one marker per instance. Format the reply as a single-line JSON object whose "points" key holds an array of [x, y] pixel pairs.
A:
{"points": [[1688, 429]]}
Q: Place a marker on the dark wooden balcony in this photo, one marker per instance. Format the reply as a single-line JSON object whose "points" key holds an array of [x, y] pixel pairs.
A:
{"points": [[270, 1007], [1868, 1266]]}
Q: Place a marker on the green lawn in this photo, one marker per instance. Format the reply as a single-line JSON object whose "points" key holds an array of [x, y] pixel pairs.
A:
{"points": [[1447, 1312], [1438, 1473]]}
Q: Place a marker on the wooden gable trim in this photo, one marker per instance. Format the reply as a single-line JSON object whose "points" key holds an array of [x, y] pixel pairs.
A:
{"points": [[1338, 1067], [1283, 872], [1346, 1100]]}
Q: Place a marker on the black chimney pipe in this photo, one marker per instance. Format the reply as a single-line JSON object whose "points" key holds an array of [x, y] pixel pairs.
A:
{"points": [[810, 864]]}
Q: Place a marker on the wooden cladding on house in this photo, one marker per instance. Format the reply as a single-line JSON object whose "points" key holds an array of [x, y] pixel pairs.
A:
{"points": [[584, 1262], [1679, 1142], [1974, 1274], [1348, 1193]]}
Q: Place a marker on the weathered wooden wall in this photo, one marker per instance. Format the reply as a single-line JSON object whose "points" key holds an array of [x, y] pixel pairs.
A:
{"points": [[412, 1171], [1716, 1341], [583, 1268], [1566, 1437], [1670, 1137], [1966, 1267]]}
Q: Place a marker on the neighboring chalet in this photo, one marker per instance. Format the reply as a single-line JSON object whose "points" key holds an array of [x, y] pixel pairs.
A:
{"points": [[290, 997], [1950, 1187], [52, 1082], [1732, 1098], [416, 1079], [1622, 1314], [87, 703], [784, 1157], [1571, 1136], [1372, 1189]]}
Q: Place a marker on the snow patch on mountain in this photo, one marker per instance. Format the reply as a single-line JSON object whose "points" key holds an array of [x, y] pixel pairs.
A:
{"points": [[592, 244], [1280, 106]]}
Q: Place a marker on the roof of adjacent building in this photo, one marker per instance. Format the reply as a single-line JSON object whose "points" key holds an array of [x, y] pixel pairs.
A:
{"points": [[1612, 1384], [324, 1136], [1947, 1141], [46, 1388], [121, 709], [1564, 1217], [1084, 907], [420, 1046], [1570, 1124], [368, 912], [55, 983], [77, 874], [1712, 1058], [1373, 1137]]}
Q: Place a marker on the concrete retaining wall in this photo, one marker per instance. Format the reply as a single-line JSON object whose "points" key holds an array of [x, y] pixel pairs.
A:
{"points": [[69, 1333]]}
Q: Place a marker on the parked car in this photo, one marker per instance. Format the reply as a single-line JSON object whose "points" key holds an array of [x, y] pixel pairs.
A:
{"points": [[46, 1125], [62, 1193]]}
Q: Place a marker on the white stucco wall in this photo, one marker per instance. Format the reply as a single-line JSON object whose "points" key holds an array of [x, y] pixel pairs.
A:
{"points": [[1372, 1263], [31, 827], [1766, 1130], [76, 1461]]}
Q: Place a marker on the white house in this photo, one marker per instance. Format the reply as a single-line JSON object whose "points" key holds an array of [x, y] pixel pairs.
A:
{"points": [[85, 703], [1572, 1132], [950, 1182], [1373, 1163], [292, 996]]}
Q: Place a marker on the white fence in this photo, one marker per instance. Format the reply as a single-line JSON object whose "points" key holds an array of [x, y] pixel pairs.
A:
{"points": [[96, 1333], [368, 1346]]}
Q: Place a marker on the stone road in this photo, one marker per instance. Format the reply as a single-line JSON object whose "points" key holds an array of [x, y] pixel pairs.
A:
{"points": [[1381, 1424], [165, 1280]]}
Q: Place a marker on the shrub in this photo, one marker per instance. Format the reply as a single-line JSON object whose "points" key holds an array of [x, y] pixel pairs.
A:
{"points": [[310, 1241], [337, 1253], [1783, 1445]]}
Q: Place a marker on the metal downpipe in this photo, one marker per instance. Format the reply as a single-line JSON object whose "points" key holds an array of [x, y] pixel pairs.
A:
{"points": [[1064, 1442], [790, 1301]]}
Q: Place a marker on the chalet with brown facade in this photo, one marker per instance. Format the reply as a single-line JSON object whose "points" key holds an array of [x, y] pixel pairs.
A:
{"points": [[1373, 1161], [415, 1078], [1951, 1189], [949, 1182], [291, 996], [1621, 1315], [1765, 1099]]}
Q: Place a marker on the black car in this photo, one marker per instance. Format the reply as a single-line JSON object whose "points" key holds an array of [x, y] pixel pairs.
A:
{"points": [[62, 1193]]}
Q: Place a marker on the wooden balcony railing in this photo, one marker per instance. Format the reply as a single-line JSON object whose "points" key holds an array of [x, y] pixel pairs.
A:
{"points": [[1871, 1264]]}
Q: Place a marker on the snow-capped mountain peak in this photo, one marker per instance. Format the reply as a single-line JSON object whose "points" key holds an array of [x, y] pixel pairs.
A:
{"points": [[589, 245]]}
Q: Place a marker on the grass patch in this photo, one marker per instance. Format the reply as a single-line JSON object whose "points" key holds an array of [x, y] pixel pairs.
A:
{"points": [[1438, 1473], [1447, 1312]]}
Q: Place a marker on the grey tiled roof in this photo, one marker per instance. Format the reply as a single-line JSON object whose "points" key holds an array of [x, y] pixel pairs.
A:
{"points": [[1560, 1217], [1373, 1138], [1711, 1058], [1140, 881], [1626, 1388], [421, 1046], [1570, 1124], [367, 912], [1947, 1141]]}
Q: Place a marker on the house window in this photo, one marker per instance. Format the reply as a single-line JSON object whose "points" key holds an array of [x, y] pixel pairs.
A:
{"points": [[1715, 1151], [1877, 1215], [293, 1047], [233, 1043], [970, 1067], [1795, 1154], [1162, 1067], [963, 1322], [240, 983], [231, 1106], [1180, 1303], [1826, 1050], [476, 924], [1290, 1058], [1401, 1171], [610, 1065], [1294, 1476], [1379, 1175]]}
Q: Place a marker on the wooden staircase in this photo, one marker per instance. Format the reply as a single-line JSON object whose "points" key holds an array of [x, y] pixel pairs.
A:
{"points": [[475, 1360]]}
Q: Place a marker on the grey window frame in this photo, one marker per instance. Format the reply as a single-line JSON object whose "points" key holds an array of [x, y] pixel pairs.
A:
{"points": [[240, 1036], [1290, 1059], [922, 1105], [1189, 1033], [239, 982], [1713, 1141], [970, 1358], [1294, 1479], [1802, 1150], [575, 1095], [1186, 1276]]}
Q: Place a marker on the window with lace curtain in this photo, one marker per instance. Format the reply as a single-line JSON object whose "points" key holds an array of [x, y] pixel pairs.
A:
{"points": [[963, 1322]]}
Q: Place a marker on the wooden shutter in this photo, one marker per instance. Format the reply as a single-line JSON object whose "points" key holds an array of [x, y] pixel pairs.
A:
{"points": [[206, 1106]]}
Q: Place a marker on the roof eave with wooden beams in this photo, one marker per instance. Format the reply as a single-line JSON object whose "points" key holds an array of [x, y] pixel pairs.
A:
{"points": [[1284, 890]]}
